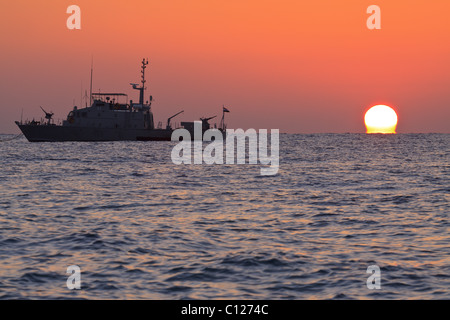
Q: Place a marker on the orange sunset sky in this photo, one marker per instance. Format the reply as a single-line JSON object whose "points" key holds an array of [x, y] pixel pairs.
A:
{"points": [[298, 66]]}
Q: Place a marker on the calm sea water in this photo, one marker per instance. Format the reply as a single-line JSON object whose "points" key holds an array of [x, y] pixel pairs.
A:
{"points": [[140, 227]]}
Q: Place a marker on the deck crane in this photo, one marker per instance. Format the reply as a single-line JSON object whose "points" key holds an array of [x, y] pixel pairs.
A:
{"points": [[168, 120]]}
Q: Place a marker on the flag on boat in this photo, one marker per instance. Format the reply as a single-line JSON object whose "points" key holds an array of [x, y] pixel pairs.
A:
{"points": [[225, 109]]}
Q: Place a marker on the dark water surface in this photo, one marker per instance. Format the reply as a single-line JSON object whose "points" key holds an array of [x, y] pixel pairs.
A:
{"points": [[141, 227]]}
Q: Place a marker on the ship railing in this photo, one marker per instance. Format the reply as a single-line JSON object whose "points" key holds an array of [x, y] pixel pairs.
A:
{"points": [[41, 122]]}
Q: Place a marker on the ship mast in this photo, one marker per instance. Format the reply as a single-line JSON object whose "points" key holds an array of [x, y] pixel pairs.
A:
{"points": [[90, 90], [142, 88], [141, 95]]}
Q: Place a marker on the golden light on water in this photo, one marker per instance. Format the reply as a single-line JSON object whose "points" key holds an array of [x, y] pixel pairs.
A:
{"points": [[381, 119]]}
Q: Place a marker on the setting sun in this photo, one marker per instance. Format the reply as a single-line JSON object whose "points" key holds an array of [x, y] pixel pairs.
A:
{"points": [[380, 119]]}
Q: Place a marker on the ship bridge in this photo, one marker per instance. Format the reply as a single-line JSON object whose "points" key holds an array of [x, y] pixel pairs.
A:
{"points": [[110, 97]]}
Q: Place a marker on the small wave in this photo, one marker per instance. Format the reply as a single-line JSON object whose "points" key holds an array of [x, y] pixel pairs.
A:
{"points": [[246, 261], [197, 277], [39, 277], [397, 199], [144, 251], [10, 241]]}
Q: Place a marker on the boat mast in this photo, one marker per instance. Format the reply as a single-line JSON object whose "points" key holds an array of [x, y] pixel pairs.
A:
{"points": [[90, 93], [223, 118], [142, 89], [224, 127]]}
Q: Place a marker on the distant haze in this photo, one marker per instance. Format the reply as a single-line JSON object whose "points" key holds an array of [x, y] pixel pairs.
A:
{"points": [[298, 66]]}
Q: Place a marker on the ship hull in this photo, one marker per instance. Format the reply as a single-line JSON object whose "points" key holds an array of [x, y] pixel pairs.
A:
{"points": [[54, 133]]}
